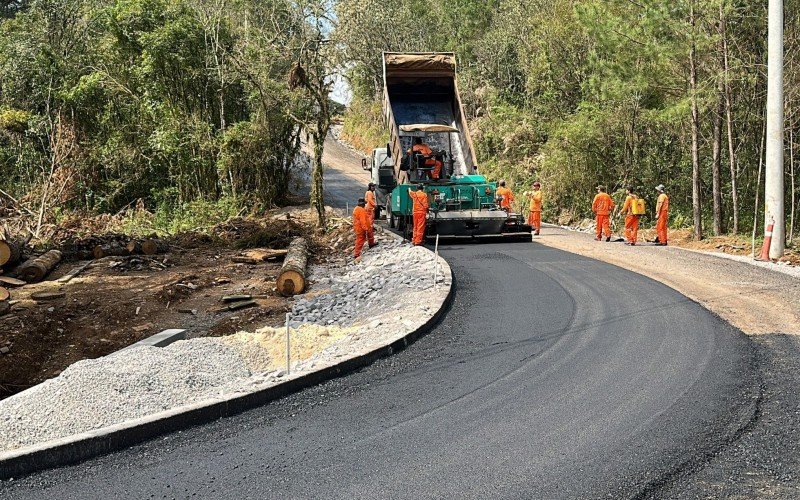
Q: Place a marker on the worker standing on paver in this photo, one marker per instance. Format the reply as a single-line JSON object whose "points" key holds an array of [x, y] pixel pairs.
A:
{"points": [[535, 217], [426, 151], [420, 213], [361, 228], [505, 196], [632, 210], [372, 204], [662, 210], [602, 205]]}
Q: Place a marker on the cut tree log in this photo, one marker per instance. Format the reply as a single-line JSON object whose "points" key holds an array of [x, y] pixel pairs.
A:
{"points": [[134, 247], [292, 278], [152, 246], [12, 282], [10, 252], [108, 250], [4, 294], [34, 270]]}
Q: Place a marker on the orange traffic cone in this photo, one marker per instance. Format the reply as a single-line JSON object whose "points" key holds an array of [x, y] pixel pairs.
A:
{"points": [[767, 241]]}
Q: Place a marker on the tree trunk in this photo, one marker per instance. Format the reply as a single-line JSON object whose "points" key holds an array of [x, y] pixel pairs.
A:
{"points": [[716, 151], [34, 270], [729, 122], [10, 252], [696, 200], [292, 278]]}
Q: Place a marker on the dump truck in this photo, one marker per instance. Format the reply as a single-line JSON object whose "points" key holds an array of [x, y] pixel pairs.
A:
{"points": [[430, 144]]}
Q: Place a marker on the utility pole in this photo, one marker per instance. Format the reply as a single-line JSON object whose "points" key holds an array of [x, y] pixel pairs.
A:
{"points": [[773, 185]]}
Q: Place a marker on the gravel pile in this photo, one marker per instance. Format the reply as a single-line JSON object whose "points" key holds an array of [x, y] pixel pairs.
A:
{"points": [[358, 306], [384, 279], [128, 384]]}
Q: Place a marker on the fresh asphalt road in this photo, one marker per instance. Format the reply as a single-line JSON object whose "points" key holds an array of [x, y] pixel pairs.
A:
{"points": [[551, 376]]}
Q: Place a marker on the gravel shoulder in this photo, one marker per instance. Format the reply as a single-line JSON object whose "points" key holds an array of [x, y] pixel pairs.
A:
{"points": [[755, 299], [351, 309]]}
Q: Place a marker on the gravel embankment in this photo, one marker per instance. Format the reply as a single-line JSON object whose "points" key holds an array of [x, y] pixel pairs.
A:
{"points": [[351, 308]]}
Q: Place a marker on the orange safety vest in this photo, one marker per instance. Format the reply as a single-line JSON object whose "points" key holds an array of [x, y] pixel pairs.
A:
{"points": [[420, 199], [536, 201], [360, 219]]}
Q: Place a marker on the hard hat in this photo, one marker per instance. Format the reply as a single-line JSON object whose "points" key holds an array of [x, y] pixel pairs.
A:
{"points": [[660, 187], [370, 185]]}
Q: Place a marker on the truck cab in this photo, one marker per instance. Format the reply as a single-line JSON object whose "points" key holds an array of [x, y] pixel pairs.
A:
{"points": [[381, 168]]}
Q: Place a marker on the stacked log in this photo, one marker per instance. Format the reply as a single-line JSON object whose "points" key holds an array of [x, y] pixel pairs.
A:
{"points": [[34, 270], [292, 278], [109, 249], [10, 252], [152, 246]]}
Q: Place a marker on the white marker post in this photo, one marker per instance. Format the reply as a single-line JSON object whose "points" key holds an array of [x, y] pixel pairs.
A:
{"points": [[288, 347], [436, 262]]}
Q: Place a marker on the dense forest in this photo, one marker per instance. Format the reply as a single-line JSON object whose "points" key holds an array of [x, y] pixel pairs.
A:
{"points": [[579, 92], [105, 102]]}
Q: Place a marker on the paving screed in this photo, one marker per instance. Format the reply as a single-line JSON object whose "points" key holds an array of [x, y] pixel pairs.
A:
{"points": [[551, 376]]}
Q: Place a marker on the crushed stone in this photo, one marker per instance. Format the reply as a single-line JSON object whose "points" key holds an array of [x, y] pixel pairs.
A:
{"points": [[354, 306]]}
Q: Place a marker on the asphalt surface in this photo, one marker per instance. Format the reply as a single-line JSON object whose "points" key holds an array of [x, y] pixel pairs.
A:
{"points": [[552, 376]]}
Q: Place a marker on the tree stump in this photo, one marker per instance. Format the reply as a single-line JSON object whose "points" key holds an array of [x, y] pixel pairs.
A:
{"points": [[292, 278], [34, 270], [10, 252]]}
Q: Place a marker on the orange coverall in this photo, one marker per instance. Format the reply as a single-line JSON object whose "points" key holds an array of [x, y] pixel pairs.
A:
{"points": [[369, 197], [631, 221], [602, 207], [662, 210], [508, 197], [420, 212], [535, 218], [424, 149], [361, 228]]}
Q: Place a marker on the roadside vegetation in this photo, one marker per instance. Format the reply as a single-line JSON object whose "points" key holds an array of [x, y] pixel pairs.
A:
{"points": [[576, 93]]}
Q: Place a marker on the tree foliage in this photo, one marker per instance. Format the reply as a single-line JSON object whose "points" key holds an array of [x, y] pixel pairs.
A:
{"points": [[580, 92], [103, 102]]}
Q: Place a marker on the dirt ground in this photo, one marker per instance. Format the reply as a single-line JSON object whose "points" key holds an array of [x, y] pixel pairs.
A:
{"points": [[117, 301], [754, 299]]}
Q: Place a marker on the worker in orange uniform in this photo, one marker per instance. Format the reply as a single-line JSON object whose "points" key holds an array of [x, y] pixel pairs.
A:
{"points": [[535, 217], [662, 209], [631, 217], [361, 227], [505, 196], [425, 150], [420, 211], [602, 207], [372, 204]]}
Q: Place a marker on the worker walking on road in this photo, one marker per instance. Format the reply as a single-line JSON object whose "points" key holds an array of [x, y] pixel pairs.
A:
{"points": [[420, 213], [372, 204], [362, 228], [505, 196], [632, 210], [662, 210], [535, 217], [602, 205]]}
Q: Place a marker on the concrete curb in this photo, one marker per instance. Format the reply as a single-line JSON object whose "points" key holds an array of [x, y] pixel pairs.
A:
{"points": [[79, 447]]}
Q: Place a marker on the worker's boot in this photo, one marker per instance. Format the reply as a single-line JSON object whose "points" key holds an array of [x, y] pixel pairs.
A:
{"points": [[536, 233], [608, 238]]}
